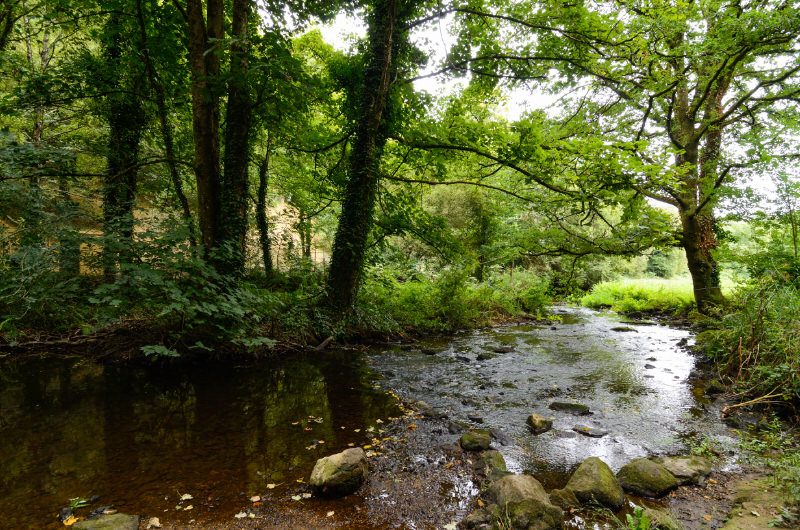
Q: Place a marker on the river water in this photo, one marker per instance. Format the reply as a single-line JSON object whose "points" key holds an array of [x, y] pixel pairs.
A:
{"points": [[140, 438]]}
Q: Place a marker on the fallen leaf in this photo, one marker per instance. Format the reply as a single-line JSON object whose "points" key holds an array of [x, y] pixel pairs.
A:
{"points": [[480, 503], [330, 514], [153, 522], [186, 497], [450, 526], [412, 427], [271, 486], [356, 430], [295, 423], [368, 446], [351, 445], [707, 517], [306, 495], [255, 498], [300, 480], [240, 515], [251, 515], [308, 429], [321, 441], [71, 520], [190, 507], [755, 513], [296, 497], [379, 420]]}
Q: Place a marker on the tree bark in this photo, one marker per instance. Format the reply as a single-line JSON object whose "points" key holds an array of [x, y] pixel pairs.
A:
{"points": [[355, 222], [699, 241], [261, 208], [204, 64], [238, 118]]}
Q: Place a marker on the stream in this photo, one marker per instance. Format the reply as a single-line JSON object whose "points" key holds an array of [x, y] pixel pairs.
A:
{"points": [[142, 438]]}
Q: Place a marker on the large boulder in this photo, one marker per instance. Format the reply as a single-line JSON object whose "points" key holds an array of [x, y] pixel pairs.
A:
{"points": [[538, 424], [340, 474], [525, 503], [476, 440], [687, 469], [647, 478], [117, 521], [594, 483]]}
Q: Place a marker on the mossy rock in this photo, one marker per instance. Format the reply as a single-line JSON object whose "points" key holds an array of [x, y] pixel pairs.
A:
{"points": [[117, 521], [687, 469], [476, 440], [661, 520], [538, 424], [647, 478], [340, 474], [534, 515], [491, 464], [579, 409], [594, 483], [564, 498]]}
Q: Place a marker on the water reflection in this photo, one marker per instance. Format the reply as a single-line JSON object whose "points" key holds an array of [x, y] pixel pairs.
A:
{"points": [[140, 437]]}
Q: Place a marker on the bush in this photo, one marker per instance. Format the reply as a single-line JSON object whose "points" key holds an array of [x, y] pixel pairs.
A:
{"points": [[756, 345], [448, 301]]}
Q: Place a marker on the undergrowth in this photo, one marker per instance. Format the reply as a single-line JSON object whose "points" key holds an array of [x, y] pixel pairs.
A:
{"points": [[642, 294]]}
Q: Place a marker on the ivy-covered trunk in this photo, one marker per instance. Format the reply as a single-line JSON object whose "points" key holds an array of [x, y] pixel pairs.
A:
{"points": [[222, 194], [261, 207], [234, 189], [355, 222], [699, 240], [125, 117]]}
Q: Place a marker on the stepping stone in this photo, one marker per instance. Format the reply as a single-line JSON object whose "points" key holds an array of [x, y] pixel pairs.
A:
{"points": [[592, 432]]}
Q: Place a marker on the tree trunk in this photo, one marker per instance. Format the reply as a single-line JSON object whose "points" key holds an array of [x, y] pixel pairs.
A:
{"points": [[355, 222], [204, 64], [261, 208], [699, 241], [69, 245], [233, 201]]}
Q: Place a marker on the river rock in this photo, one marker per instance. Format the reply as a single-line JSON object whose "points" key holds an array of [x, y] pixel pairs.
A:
{"points": [[502, 349], [594, 483], [564, 498], [687, 469], [117, 521], [483, 356], [525, 502], [476, 440], [647, 478], [340, 474], [661, 520], [578, 409], [592, 432], [491, 465], [539, 424]]}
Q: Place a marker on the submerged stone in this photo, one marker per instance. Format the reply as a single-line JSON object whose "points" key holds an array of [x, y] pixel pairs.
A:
{"points": [[117, 521], [340, 474], [573, 408], [539, 424], [647, 478], [476, 440], [594, 483], [592, 432]]}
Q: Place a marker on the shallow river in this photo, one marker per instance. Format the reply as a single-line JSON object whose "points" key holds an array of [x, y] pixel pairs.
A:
{"points": [[140, 438]]}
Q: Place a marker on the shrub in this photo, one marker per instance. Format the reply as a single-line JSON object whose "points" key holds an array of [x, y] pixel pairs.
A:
{"points": [[646, 294]]}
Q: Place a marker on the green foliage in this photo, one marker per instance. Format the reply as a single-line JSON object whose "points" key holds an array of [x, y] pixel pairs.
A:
{"points": [[756, 343], [773, 444], [646, 294], [452, 300], [638, 520]]}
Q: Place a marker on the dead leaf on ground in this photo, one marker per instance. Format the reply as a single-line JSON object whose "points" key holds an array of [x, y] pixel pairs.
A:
{"points": [[71, 520]]}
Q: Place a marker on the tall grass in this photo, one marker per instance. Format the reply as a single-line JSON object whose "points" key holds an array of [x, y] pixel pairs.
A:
{"points": [[642, 294]]}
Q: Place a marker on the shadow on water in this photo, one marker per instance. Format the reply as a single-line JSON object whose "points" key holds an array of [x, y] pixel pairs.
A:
{"points": [[141, 437]]}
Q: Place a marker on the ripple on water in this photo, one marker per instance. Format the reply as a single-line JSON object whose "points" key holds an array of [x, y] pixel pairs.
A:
{"points": [[581, 358]]}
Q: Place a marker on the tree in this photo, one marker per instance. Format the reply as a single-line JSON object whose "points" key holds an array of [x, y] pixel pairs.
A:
{"points": [[386, 39], [667, 79]]}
